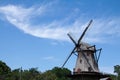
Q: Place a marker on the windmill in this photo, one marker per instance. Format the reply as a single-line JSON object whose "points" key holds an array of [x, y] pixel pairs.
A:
{"points": [[87, 55], [86, 67], [87, 59]]}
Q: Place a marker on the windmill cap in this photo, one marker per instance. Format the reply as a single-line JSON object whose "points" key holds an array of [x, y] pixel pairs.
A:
{"points": [[85, 46]]}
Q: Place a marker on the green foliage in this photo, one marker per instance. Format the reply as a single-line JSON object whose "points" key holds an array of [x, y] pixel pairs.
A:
{"points": [[56, 74], [33, 74], [48, 75], [15, 75], [4, 71], [61, 73], [117, 70], [113, 77]]}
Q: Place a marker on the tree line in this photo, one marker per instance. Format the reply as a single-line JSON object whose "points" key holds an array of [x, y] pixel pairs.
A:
{"points": [[56, 73], [33, 73]]}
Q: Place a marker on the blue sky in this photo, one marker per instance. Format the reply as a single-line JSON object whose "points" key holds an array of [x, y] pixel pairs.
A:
{"points": [[33, 33]]}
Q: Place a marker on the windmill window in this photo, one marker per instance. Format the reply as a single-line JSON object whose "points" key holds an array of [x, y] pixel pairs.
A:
{"points": [[88, 54], [89, 69], [80, 60], [78, 70]]}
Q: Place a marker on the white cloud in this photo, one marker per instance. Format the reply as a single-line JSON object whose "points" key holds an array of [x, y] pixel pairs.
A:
{"points": [[49, 58], [101, 30], [104, 30]]}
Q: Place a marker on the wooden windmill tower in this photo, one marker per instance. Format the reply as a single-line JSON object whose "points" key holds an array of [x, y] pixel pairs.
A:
{"points": [[86, 67]]}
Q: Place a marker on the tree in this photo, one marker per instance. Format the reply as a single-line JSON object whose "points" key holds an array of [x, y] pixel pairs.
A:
{"points": [[15, 74], [48, 75], [61, 73], [33, 74], [112, 76], [4, 70], [117, 70], [56, 74]]}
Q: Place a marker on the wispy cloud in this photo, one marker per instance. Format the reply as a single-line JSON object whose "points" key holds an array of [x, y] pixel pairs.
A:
{"points": [[49, 58], [21, 17], [104, 29]]}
